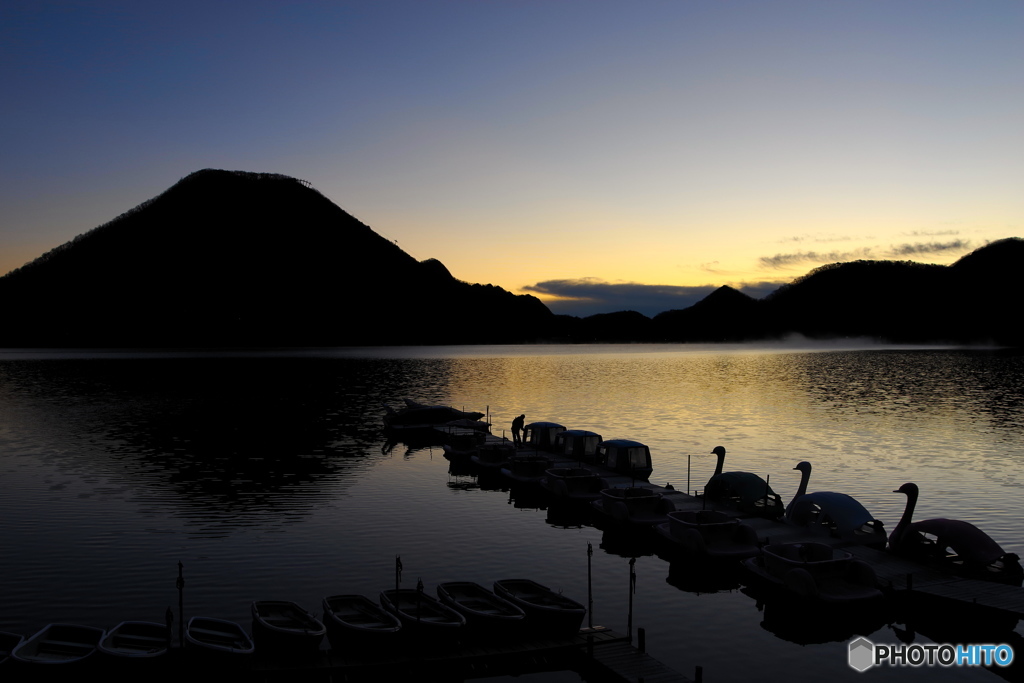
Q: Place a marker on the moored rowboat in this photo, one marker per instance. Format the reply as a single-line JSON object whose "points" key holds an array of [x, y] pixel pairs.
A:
{"points": [[136, 640], [546, 611], [218, 636], [356, 622], [284, 627], [486, 613], [59, 644]]}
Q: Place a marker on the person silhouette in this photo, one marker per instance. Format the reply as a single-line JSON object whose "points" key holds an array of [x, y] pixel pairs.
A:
{"points": [[518, 425]]}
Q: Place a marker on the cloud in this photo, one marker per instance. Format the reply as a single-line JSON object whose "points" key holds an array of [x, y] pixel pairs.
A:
{"points": [[900, 251], [803, 257], [904, 250], [589, 296]]}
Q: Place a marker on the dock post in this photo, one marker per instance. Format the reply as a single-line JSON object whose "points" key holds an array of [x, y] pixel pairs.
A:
{"points": [[688, 456], [698, 675], [641, 639], [590, 587]]}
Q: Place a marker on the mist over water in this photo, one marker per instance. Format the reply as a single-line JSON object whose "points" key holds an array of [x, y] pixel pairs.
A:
{"points": [[267, 475]]}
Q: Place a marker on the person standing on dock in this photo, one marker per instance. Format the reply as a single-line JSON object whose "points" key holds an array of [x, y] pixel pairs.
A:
{"points": [[517, 426]]}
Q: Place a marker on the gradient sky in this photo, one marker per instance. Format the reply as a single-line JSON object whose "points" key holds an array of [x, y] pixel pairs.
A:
{"points": [[636, 153]]}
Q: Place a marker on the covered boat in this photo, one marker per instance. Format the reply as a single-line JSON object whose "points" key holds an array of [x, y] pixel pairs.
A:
{"points": [[542, 436], [953, 544], [217, 637], [626, 458], [59, 644], [487, 615], [424, 619], [547, 612], [285, 628], [137, 640], [710, 534], [355, 622], [815, 572], [578, 444]]}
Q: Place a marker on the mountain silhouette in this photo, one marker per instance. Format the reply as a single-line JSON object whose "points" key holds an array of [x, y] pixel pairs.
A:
{"points": [[239, 259], [230, 258]]}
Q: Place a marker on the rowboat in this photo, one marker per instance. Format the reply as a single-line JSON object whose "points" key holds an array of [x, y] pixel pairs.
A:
{"points": [[282, 627], [486, 614], [136, 640], [546, 611], [218, 637], [424, 618], [355, 622], [9, 641], [59, 644]]}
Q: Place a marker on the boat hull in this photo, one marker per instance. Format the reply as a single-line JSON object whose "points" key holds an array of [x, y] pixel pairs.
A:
{"points": [[487, 615], [355, 623], [136, 640], [283, 628], [547, 612], [425, 620], [217, 638], [59, 644]]}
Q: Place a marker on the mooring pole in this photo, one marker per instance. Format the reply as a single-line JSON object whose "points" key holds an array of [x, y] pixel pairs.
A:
{"points": [[688, 456], [590, 587], [398, 573], [632, 589], [181, 605]]}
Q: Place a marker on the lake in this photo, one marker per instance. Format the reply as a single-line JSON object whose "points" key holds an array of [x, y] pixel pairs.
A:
{"points": [[267, 475]]}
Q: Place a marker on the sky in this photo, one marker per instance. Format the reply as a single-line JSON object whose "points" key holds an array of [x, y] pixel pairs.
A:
{"points": [[601, 155]]}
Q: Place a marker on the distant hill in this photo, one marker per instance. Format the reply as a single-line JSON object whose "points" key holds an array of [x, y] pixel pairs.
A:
{"points": [[228, 258]]}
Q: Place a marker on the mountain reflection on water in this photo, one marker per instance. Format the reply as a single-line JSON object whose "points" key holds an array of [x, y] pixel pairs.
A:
{"points": [[268, 475]]}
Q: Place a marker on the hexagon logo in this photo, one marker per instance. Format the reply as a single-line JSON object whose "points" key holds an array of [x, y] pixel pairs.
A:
{"points": [[862, 654]]}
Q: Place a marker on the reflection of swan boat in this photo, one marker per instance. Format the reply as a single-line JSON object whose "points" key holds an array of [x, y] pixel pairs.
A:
{"points": [[816, 572], [354, 622], [137, 640], [633, 504], [483, 610], [284, 626], [546, 611], [834, 514], [59, 644], [744, 491], [710, 534], [953, 544]]}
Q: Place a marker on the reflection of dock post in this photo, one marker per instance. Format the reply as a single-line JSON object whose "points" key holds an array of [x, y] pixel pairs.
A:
{"points": [[590, 587], [641, 639], [632, 589], [698, 675]]}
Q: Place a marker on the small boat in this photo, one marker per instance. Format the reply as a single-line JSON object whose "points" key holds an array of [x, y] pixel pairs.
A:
{"points": [[217, 637], [355, 622], [817, 573], [59, 644], [953, 544], [136, 640], [710, 534], [572, 483], [632, 504], [493, 457], [578, 444], [486, 614], [836, 515], [527, 468], [542, 436], [743, 491], [9, 641], [420, 416], [424, 618], [626, 458], [547, 612], [284, 627]]}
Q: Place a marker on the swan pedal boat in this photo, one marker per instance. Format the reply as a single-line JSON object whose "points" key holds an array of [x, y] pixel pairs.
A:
{"points": [[710, 534], [355, 622], [137, 640], [815, 572], [547, 612], [59, 644], [282, 626], [208, 635], [482, 609]]}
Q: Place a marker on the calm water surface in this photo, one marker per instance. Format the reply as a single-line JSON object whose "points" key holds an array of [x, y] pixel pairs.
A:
{"points": [[267, 475]]}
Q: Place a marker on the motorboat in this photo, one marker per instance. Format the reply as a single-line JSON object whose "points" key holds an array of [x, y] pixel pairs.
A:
{"points": [[285, 628], [424, 618], [625, 458], [815, 572], [487, 615], [137, 640], [953, 544], [632, 504], [745, 492], [59, 644], [547, 612], [572, 483], [835, 515], [578, 444], [419, 415], [217, 637], [710, 534], [355, 622]]}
